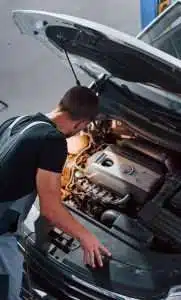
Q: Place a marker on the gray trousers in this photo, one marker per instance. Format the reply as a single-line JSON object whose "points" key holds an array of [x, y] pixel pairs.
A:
{"points": [[11, 265], [11, 260]]}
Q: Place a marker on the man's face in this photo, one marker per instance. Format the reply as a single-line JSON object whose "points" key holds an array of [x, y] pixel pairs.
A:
{"points": [[76, 127]]}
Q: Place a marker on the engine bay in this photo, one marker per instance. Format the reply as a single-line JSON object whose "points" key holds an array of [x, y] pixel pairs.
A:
{"points": [[111, 171]]}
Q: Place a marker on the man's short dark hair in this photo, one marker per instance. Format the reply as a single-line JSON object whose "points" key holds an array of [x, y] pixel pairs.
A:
{"points": [[80, 102]]}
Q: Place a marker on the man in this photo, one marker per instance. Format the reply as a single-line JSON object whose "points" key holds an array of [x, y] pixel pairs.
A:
{"points": [[31, 164]]}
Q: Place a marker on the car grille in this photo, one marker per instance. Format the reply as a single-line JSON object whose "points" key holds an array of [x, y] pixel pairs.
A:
{"points": [[48, 276]]}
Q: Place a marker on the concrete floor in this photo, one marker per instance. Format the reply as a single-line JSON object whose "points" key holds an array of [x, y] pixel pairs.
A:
{"points": [[31, 77]]}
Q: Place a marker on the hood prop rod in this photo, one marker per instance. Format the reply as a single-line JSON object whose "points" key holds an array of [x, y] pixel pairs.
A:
{"points": [[71, 66]]}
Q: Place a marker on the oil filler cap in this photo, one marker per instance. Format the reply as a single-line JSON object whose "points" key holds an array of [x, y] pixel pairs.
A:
{"points": [[127, 169]]}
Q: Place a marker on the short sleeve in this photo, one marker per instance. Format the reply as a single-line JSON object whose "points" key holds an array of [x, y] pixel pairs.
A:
{"points": [[53, 152]]}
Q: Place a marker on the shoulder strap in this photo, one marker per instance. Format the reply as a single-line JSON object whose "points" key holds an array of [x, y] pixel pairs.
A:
{"points": [[6, 135], [8, 142], [15, 122], [33, 124], [28, 126]]}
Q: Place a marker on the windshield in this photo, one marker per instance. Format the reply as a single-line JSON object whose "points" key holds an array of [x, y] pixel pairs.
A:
{"points": [[165, 32]]}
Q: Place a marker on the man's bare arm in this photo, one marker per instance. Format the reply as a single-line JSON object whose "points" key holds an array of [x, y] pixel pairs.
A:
{"points": [[48, 188]]}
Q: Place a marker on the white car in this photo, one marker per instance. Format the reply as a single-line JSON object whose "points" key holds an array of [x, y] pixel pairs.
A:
{"points": [[122, 178]]}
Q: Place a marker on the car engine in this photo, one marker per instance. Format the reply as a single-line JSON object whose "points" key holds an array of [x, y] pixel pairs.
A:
{"points": [[110, 168], [123, 172]]}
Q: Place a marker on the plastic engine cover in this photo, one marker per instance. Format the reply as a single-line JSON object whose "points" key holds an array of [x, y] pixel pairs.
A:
{"points": [[124, 172]]}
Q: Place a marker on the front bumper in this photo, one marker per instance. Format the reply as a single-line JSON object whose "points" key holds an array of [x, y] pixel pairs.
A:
{"points": [[60, 283], [133, 271]]}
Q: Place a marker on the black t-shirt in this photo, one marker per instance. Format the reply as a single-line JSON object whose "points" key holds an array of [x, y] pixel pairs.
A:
{"points": [[42, 146]]}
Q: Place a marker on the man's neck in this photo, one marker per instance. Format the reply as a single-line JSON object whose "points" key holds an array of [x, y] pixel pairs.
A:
{"points": [[58, 119]]}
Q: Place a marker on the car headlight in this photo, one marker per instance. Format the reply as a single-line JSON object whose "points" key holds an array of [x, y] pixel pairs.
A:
{"points": [[101, 291]]}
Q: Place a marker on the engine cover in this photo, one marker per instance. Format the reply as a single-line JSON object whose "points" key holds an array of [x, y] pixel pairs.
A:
{"points": [[125, 172]]}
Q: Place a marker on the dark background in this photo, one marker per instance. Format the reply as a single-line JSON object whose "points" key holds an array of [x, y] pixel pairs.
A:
{"points": [[31, 77]]}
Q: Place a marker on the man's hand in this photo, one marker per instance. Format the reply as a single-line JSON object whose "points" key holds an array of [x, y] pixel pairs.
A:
{"points": [[48, 188], [93, 250]]}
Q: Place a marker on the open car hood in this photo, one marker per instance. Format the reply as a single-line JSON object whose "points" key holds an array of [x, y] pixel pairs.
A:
{"points": [[101, 48]]}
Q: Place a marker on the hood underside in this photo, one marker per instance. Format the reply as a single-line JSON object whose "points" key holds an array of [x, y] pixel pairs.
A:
{"points": [[120, 55], [151, 103]]}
